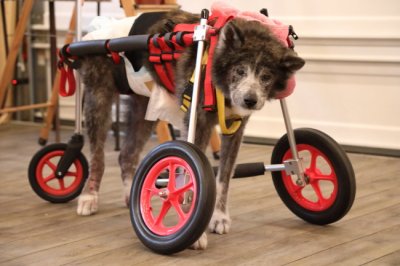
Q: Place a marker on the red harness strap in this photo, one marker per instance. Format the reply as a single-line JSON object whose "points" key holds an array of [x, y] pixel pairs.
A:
{"points": [[66, 66], [167, 56], [155, 57], [66, 75], [209, 103], [165, 49]]}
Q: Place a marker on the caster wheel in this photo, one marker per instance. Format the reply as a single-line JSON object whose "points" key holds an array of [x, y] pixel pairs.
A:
{"points": [[330, 183], [43, 180], [171, 215]]}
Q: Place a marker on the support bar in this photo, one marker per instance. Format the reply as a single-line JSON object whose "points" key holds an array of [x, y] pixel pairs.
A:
{"points": [[123, 44]]}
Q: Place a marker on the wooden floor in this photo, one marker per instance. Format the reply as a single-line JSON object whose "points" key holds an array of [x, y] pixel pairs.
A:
{"points": [[264, 231]]}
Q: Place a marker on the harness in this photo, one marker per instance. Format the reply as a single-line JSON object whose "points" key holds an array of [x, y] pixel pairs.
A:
{"points": [[163, 50]]}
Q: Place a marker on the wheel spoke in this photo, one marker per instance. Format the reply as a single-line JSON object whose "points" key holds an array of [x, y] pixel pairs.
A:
{"points": [[177, 206], [153, 191], [330, 177], [297, 189], [183, 189], [49, 178], [164, 210], [51, 165], [172, 177], [317, 191], [71, 174], [313, 163], [61, 182]]}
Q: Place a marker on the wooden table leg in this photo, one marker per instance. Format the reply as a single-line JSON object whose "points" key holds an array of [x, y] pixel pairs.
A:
{"points": [[8, 72], [44, 132], [163, 133], [215, 143]]}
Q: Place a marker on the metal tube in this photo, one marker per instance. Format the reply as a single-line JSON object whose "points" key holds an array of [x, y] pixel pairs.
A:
{"points": [[289, 129], [295, 165], [196, 89], [274, 167], [78, 96]]}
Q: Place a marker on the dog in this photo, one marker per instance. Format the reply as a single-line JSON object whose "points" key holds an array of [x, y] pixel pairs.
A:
{"points": [[250, 66]]}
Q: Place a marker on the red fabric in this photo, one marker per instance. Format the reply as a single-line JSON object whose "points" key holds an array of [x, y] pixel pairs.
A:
{"points": [[185, 27], [155, 58], [164, 51], [67, 77], [209, 90], [167, 57]]}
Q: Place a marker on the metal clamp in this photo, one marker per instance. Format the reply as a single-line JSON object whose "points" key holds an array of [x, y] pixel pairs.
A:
{"points": [[295, 167], [200, 33]]}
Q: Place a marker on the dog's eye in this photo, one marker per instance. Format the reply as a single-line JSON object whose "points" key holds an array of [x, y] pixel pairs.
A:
{"points": [[240, 72], [265, 78]]}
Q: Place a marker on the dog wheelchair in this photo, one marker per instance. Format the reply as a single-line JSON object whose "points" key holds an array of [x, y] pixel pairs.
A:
{"points": [[173, 192]]}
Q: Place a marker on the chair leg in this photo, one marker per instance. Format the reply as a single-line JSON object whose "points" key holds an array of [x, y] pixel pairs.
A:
{"points": [[163, 132], [215, 143]]}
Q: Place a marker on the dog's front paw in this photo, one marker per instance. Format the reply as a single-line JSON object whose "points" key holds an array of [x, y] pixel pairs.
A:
{"points": [[220, 222], [201, 243], [87, 204]]}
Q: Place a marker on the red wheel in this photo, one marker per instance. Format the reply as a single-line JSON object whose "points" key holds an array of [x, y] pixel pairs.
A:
{"points": [[44, 182], [330, 184], [157, 204], [321, 192], [172, 197]]}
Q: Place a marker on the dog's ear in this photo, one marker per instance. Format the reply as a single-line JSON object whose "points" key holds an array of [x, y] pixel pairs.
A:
{"points": [[231, 36], [292, 62]]}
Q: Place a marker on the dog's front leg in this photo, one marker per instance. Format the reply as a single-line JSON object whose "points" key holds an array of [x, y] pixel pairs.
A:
{"points": [[205, 124], [221, 221]]}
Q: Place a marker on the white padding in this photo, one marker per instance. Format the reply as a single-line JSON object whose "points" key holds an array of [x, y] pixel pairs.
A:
{"points": [[162, 104]]}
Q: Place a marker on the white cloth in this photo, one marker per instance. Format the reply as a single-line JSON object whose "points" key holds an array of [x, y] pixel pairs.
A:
{"points": [[162, 104]]}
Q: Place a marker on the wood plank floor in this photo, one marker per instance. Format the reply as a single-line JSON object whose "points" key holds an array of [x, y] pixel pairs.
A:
{"points": [[264, 231]]}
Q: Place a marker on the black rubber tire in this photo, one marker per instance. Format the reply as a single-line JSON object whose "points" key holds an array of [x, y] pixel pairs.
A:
{"points": [[39, 190], [346, 184], [204, 204]]}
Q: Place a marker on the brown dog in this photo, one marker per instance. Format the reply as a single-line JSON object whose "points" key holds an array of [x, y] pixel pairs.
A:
{"points": [[250, 66]]}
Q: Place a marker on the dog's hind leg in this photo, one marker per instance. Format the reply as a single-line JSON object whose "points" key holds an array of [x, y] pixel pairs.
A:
{"points": [[221, 221], [138, 131], [99, 94]]}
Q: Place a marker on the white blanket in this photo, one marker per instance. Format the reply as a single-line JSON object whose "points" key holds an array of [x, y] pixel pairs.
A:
{"points": [[162, 105]]}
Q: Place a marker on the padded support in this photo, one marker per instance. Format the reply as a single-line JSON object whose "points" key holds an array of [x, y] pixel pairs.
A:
{"points": [[130, 43], [88, 47], [246, 170], [249, 169]]}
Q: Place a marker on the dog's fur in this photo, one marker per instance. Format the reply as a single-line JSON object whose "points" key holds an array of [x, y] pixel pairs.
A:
{"points": [[250, 66]]}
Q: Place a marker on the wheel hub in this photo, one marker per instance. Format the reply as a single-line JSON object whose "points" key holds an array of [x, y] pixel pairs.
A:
{"points": [[164, 194]]}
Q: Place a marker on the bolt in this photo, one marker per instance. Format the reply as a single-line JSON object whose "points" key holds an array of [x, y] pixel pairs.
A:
{"points": [[163, 194]]}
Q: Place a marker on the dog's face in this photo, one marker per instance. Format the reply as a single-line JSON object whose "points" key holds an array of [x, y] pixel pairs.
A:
{"points": [[250, 65]]}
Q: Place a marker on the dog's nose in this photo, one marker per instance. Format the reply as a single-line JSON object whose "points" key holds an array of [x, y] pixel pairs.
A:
{"points": [[250, 101]]}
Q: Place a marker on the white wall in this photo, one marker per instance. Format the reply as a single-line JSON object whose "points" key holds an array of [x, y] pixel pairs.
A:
{"points": [[349, 87]]}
